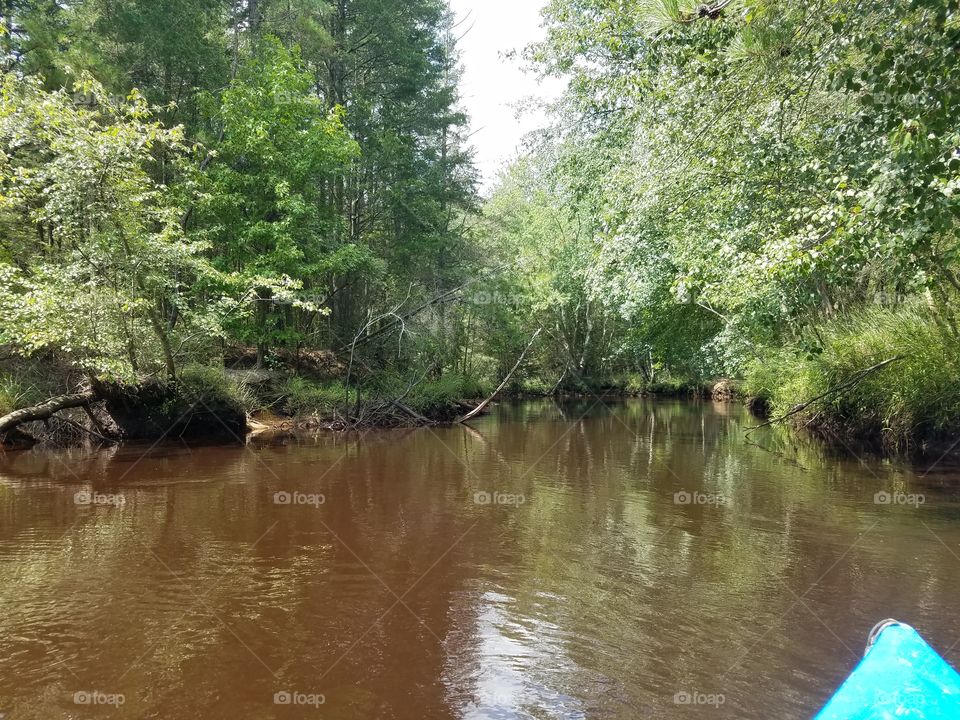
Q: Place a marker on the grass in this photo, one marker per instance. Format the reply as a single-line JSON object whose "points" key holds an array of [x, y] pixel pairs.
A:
{"points": [[12, 395], [905, 403], [305, 397], [432, 397], [439, 397], [213, 383], [16, 394]]}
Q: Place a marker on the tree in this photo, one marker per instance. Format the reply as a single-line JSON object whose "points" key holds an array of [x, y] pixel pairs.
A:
{"points": [[267, 212], [95, 267]]}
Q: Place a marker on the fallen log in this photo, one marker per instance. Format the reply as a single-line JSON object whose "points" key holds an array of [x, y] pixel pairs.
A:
{"points": [[45, 410]]}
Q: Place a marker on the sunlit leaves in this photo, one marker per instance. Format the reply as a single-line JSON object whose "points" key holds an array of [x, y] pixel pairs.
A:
{"points": [[99, 264], [773, 162]]}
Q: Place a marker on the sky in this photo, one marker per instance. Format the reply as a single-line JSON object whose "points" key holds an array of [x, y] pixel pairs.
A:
{"points": [[492, 84]]}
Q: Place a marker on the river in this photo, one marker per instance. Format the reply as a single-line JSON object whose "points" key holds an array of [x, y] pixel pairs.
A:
{"points": [[638, 559]]}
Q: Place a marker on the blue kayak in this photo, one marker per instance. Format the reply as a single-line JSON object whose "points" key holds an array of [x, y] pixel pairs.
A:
{"points": [[899, 678]]}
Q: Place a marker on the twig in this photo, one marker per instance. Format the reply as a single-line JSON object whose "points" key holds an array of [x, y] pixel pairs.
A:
{"points": [[78, 426]]}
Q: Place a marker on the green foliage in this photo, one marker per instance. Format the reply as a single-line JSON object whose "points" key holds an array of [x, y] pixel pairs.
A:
{"points": [[914, 398], [536, 227], [533, 385], [96, 268], [212, 384], [305, 397], [757, 163], [264, 205], [217, 183], [751, 181]]}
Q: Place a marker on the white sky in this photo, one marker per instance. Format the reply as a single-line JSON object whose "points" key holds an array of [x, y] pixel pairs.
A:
{"points": [[493, 85]]}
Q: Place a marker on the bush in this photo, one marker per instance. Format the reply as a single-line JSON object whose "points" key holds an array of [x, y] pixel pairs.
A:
{"points": [[533, 385], [913, 399]]}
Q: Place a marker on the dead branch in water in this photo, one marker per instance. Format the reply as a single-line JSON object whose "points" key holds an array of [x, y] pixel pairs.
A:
{"points": [[479, 408], [843, 386], [88, 431]]}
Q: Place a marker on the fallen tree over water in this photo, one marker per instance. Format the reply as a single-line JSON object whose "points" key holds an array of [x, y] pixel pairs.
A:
{"points": [[479, 409], [45, 410], [150, 410]]}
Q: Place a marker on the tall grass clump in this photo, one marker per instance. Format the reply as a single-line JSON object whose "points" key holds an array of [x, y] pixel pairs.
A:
{"points": [[906, 403], [12, 395], [439, 397], [213, 384], [305, 397]]}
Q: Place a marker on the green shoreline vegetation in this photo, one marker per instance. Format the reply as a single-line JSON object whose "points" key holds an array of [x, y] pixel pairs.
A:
{"points": [[275, 204]]}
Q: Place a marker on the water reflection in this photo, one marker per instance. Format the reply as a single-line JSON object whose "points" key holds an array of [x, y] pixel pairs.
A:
{"points": [[585, 560]]}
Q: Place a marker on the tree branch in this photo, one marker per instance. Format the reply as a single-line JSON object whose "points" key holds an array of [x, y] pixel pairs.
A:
{"points": [[45, 410], [843, 386], [479, 408]]}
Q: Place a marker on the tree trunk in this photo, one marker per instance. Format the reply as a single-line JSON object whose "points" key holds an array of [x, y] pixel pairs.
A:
{"points": [[45, 410], [161, 333]]}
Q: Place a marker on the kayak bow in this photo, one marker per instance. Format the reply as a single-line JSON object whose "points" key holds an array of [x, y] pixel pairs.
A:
{"points": [[900, 677]]}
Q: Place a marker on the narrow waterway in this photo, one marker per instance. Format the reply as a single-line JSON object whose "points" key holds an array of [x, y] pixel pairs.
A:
{"points": [[625, 560]]}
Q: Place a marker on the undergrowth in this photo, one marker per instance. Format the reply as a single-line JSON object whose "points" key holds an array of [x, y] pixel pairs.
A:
{"points": [[913, 399]]}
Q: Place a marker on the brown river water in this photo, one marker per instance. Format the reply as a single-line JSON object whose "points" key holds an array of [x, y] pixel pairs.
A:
{"points": [[640, 559]]}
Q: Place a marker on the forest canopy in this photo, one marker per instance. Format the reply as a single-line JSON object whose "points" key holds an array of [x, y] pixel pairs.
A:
{"points": [[740, 189]]}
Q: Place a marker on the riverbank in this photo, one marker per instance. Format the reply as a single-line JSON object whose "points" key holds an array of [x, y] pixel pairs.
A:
{"points": [[310, 391], [883, 379]]}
